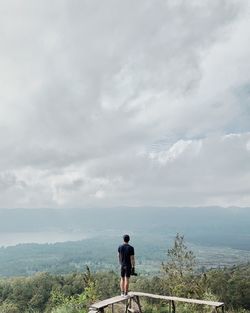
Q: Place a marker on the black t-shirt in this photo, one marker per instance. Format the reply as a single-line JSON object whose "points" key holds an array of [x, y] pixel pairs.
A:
{"points": [[125, 252]]}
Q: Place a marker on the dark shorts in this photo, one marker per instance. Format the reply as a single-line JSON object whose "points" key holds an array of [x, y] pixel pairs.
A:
{"points": [[125, 271]]}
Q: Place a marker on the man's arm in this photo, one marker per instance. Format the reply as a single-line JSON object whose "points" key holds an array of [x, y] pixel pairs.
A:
{"points": [[132, 259], [119, 258]]}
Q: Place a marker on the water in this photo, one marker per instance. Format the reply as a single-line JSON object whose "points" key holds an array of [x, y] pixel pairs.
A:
{"points": [[14, 238]]}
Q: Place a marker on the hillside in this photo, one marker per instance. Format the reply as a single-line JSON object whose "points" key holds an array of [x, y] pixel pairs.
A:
{"points": [[218, 236]]}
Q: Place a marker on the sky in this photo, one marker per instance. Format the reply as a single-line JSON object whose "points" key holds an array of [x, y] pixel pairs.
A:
{"points": [[124, 103]]}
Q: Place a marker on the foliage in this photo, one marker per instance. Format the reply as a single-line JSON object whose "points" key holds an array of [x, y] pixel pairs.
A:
{"points": [[232, 285], [73, 293], [43, 292], [76, 303], [179, 270], [107, 284], [8, 307], [98, 251], [180, 260]]}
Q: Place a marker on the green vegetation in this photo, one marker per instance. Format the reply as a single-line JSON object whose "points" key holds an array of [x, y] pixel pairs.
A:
{"points": [[73, 293], [44, 292], [98, 254], [218, 237]]}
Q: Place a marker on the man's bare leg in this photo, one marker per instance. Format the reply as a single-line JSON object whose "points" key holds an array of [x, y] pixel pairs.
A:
{"points": [[122, 285], [126, 285]]}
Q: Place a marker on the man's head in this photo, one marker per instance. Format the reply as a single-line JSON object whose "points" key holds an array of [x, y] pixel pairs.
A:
{"points": [[126, 238]]}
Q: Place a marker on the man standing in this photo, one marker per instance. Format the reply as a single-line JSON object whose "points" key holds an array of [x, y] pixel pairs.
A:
{"points": [[126, 255]]}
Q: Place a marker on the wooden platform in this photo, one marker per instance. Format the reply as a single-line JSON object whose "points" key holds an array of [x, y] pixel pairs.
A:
{"points": [[107, 302], [134, 297]]}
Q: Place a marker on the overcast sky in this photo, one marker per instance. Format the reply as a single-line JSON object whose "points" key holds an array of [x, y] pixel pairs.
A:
{"points": [[136, 103]]}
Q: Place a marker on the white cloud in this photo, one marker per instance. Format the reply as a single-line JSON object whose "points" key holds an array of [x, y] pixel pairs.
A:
{"points": [[124, 103], [176, 150]]}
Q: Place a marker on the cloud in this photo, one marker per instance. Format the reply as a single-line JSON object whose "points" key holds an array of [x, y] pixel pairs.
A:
{"points": [[176, 150], [115, 103]]}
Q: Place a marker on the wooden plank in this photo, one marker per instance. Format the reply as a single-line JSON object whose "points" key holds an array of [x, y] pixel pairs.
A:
{"points": [[107, 302], [170, 298]]}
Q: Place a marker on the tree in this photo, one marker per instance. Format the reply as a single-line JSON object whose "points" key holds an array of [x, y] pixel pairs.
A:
{"points": [[180, 260], [179, 269], [77, 303]]}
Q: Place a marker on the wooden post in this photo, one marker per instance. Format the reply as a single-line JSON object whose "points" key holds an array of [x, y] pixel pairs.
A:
{"points": [[137, 300], [173, 306], [130, 305], [126, 306]]}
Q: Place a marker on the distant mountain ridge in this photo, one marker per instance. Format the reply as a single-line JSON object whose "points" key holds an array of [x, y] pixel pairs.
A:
{"points": [[214, 226]]}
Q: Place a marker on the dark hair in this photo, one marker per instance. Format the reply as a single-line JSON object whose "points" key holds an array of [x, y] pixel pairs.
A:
{"points": [[126, 238]]}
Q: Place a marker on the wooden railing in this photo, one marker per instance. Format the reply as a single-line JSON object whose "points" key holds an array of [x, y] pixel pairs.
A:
{"points": [[132, 303]]}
